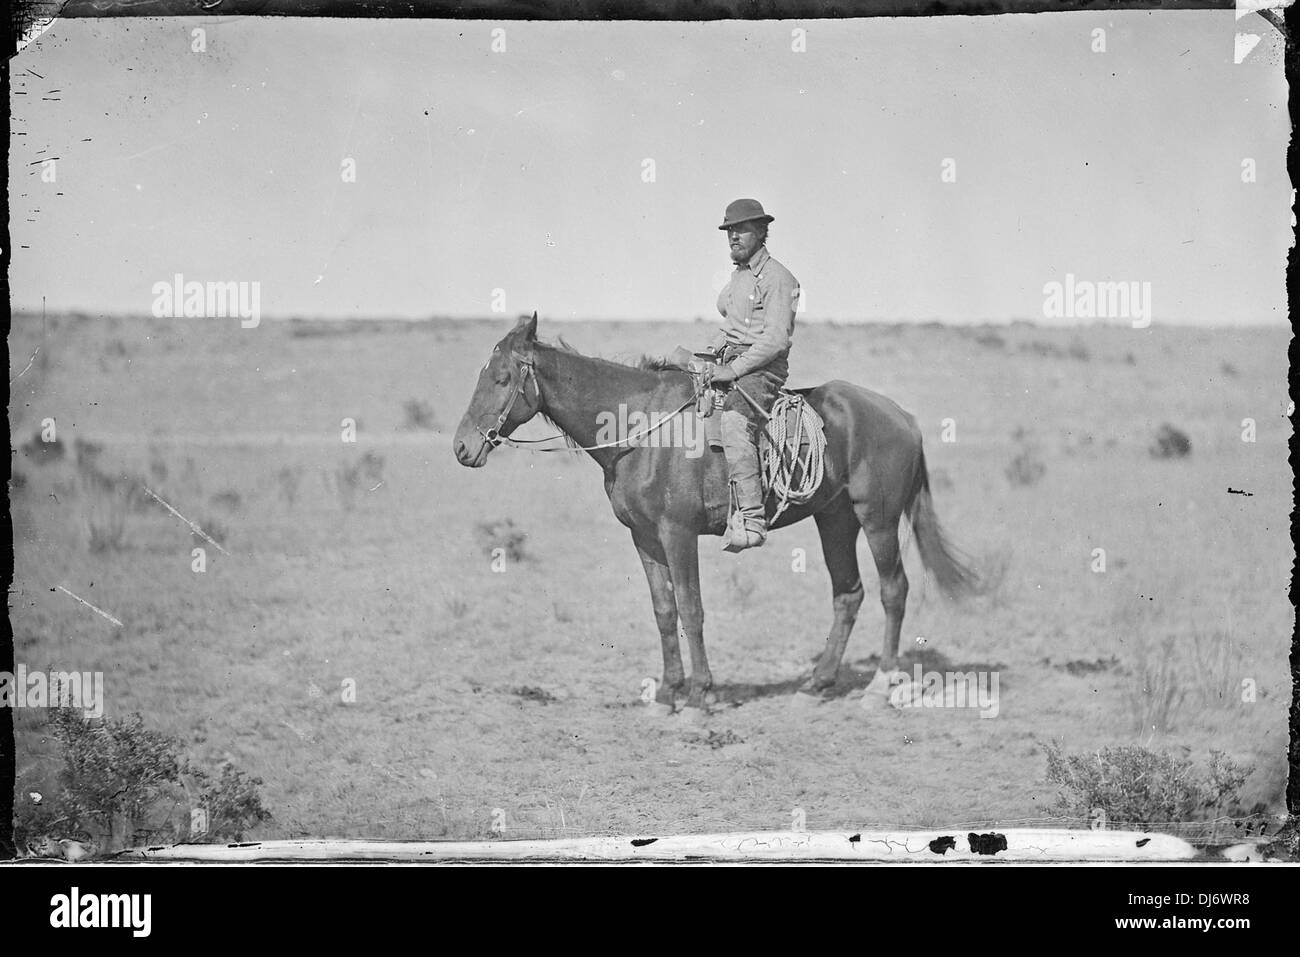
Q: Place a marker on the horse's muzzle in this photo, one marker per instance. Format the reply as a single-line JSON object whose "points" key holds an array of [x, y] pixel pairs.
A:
{"points": [[472, 458]]}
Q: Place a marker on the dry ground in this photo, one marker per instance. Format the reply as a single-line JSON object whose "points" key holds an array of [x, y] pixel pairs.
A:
{"points": [[519, 691]]}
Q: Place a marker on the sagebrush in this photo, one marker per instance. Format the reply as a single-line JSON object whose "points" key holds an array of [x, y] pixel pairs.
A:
{"points": [[1133, 785], [123, 784]]}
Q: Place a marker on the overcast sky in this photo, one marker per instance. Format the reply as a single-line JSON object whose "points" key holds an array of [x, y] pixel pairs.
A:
{"points": [[524, 170]]}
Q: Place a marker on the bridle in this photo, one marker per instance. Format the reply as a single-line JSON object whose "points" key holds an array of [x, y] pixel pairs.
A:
{"points": [[523, 371]]}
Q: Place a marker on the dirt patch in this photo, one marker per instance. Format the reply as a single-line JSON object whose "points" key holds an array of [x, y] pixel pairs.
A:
{"points": [[529, 693], [719, 739], [1080, 667]]}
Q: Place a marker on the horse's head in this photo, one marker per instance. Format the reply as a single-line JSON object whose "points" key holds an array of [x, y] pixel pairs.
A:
{"points": [[505, 398]]}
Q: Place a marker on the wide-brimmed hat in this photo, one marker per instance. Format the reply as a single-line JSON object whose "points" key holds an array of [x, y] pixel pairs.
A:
{"points": [[742, 211]]}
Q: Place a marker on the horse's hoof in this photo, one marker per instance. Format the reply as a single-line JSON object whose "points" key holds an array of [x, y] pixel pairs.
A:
{"points": [[803, 700], [657, 710], [692, 715], [818, 685], [875, 702]]}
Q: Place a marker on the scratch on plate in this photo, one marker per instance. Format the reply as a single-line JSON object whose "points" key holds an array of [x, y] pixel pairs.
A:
{"points": [[194, 526], [29, 365], [98, 611]]}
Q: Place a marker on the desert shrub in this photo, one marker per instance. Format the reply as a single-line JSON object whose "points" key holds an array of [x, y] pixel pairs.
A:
{"points": [[349, 478], [1073, 443], [372, 467], [227, 499], [1155, 692], [418, 414], [213, 528], [1170, 443], [41, 821], [86, 454], [1216, 667], [290, 480], [40, 452], [124, 490], [105, 528], [231, 799], [114, 772], [503, 534], [1026, 468], [190, 474], [1132, 785], [107, 507], [990, 339], [1285, 844], [122, 783], [1041, 349], [158, 470], [1077, 350], [1183, 676]]}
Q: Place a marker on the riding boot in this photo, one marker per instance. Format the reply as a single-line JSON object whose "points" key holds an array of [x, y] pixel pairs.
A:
{"points": [[747, 527]]}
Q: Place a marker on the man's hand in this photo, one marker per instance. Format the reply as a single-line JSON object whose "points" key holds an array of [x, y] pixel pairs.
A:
{"points": [[722, 375]]}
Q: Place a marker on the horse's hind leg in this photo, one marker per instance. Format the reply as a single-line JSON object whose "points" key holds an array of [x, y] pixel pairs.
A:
{"points": [[882, 536], [838, 528], [665, 603]]}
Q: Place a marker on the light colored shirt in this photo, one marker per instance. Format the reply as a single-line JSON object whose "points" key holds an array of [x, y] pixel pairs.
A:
{"points": [[758, 306]]}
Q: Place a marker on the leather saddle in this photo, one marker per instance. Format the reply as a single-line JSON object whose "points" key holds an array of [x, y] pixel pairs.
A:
{"points": [[791, 405]]}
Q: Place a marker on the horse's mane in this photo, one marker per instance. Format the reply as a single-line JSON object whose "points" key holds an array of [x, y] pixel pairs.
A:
{"points": [[640, 363], [569, 440]]}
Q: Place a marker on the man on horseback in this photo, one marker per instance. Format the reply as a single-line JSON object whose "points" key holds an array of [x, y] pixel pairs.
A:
{"points": [[758, 307], [865, 486]]}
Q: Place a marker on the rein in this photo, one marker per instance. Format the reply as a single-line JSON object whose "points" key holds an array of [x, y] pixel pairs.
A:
{"points": [[780, 463], [524, 371]]}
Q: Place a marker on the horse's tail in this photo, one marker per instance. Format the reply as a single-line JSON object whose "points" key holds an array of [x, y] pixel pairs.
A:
{"points": [[951, 569]]}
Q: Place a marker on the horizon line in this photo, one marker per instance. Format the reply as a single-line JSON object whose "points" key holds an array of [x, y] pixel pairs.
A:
{"points": [[694, 320]]}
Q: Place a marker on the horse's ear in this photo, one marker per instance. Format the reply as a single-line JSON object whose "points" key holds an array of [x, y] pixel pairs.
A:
{"points": [[529, 326]]}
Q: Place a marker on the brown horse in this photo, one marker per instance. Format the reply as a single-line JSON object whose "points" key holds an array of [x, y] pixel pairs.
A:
{"points": [[874, 474]]}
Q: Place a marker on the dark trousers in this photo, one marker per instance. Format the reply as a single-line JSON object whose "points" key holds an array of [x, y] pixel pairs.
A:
{"points": [[763, 385], [742, 424]]}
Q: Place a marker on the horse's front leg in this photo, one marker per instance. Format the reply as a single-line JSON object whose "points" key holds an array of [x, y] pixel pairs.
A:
{"points": [[661, 593], [682, 551]]}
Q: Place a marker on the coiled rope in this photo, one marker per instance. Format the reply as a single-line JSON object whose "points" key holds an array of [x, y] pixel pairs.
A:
{"points": [[791, 472]]}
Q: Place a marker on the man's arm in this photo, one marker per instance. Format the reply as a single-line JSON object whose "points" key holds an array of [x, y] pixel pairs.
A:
{"points": [[778, 327], [720, 339]]}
